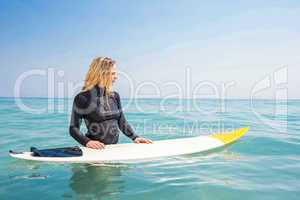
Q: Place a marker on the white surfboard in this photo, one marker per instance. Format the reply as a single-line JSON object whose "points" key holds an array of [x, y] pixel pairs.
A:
{"points": [[121, 153]]}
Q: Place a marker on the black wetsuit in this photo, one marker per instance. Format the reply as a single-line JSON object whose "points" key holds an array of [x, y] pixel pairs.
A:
{"points": [[103, 117]]}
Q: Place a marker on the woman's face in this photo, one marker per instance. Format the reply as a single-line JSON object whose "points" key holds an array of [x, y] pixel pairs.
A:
{"points": [[114, 73]]}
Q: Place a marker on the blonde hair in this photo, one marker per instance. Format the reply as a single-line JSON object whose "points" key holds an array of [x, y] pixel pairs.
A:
{"points": [[99, 72]]}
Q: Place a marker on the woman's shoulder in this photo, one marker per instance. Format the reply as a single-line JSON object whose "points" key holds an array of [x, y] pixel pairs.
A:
{"points": [[115, 94], [82, 98]]}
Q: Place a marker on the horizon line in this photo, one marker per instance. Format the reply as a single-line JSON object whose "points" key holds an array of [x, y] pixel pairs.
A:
{"points": [[34, 97]]}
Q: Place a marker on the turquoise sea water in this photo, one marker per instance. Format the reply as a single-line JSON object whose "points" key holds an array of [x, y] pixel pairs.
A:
{"points": [[265, 164]]}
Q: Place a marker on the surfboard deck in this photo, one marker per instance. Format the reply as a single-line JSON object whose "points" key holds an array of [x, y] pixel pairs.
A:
{"points": [[121, 153]]}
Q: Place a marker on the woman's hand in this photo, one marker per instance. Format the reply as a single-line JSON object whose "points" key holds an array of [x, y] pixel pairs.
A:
{"points": [[94, 144], [142, 140]]}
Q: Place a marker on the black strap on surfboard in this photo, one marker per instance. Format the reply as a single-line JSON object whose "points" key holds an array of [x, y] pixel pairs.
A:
{"points": [[57, 152]]}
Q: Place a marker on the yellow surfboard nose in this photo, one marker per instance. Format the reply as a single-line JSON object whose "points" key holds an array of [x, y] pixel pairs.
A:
{"points": [[229, 137]]}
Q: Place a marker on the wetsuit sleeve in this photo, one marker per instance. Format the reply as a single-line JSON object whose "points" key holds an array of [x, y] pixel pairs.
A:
{"points": [[122, 122], [76, 119]]}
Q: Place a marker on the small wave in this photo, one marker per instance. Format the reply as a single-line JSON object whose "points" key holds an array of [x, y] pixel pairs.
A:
{"points": [[29, 177]]}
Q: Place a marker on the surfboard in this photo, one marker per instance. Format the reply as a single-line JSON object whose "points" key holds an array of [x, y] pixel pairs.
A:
{"points": [[122, 153]]}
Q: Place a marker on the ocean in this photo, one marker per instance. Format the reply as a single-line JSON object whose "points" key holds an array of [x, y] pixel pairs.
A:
{"points": [[264, 164]]}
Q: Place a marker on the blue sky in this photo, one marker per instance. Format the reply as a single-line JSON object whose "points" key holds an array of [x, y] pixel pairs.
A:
{"points": [[153, 42]]}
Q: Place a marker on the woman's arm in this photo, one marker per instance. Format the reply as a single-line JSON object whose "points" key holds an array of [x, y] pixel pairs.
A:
{"points": [[122, 122], [76, 119]]}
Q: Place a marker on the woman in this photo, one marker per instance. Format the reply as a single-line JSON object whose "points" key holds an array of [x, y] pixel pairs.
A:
{"points": [[100, 108]]}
